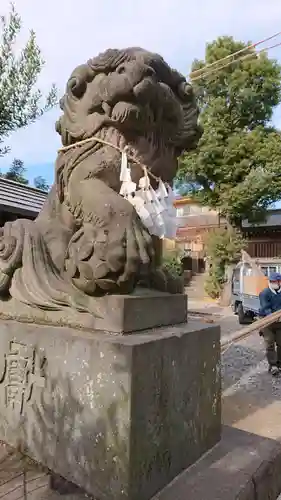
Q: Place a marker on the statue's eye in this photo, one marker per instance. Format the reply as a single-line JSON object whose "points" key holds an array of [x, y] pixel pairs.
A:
{"points": [[121, 69]]}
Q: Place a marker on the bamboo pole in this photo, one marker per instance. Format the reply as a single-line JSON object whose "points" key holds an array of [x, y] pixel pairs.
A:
{"points": [[242, 333]]}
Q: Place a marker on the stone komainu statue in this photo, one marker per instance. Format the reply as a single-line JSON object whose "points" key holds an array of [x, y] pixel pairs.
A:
{"points": [[88, 240]]}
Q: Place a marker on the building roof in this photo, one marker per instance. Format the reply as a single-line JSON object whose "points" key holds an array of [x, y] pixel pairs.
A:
{"points": [[20, 199], [198, 220], [184, 200], [273, 219]]}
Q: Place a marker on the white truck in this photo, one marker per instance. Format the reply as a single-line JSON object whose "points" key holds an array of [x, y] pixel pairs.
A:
{"points": [[244, 298]]}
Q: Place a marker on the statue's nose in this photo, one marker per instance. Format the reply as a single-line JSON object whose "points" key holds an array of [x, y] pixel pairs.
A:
{"points": [[137, 72]]}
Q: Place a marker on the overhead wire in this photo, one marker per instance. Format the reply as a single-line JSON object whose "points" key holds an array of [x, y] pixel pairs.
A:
{"points": [[204, 71], [251, 46], [199, 77], [207, 69], [239, 59]]}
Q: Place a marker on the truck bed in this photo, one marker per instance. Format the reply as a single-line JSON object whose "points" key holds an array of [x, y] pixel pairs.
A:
{"points": [[250, 303]]}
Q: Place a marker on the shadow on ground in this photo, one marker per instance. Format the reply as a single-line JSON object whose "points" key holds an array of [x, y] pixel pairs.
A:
{"points": [[242, 466]]}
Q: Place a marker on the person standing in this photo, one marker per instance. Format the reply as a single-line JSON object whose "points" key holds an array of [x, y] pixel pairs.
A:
{"points": [[270, 302]]}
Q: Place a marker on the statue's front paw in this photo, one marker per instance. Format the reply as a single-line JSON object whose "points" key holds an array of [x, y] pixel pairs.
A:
{"points": [[109, 259], [138, 253]]}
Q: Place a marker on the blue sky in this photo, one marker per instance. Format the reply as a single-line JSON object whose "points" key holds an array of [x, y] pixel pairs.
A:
{"points": [[70, 32]]}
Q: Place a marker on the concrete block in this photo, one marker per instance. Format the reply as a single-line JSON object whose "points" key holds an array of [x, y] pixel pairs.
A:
{"points": [[118, 415], [242, 466]]}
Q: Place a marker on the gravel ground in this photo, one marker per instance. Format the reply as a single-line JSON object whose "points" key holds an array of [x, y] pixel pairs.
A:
{"points": [[244, 367], [251, 396], [244, 364]]}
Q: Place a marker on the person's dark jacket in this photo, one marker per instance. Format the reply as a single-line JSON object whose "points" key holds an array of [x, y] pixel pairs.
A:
{"points": [[269, 302]]}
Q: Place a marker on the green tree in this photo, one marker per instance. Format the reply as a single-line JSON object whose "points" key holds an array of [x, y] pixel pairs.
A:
{"points": [[236, 168], [41, 183], [223, 247], [172, 262], [16, 172], [20, 99]]}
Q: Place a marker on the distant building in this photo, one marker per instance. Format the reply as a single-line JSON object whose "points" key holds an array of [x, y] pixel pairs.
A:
{"points": [[196, 221], [19, 201], [264, 238]]}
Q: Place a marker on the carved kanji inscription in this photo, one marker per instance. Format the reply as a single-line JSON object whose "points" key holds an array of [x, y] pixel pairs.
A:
{"points": [[23, 373]]}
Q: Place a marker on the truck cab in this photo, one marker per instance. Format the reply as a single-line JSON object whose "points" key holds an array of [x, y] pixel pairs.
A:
{"points": [[246, 286]]}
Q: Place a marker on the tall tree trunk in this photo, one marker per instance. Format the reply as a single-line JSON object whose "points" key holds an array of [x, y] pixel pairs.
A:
{"points": [[225, 298]]}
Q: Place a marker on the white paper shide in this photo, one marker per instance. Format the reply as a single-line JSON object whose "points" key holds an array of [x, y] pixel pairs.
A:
{"points": [[154, 207]]}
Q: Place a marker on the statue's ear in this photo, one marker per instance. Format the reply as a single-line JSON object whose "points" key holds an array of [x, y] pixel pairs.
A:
{"points": [[77, 83], [76, 87], [185, 92], [61, 103], [58, 126]]}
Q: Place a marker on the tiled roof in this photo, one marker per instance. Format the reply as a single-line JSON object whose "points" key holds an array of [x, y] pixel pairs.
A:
{"points": [[273, 219], [18, 198], [198, 220]]}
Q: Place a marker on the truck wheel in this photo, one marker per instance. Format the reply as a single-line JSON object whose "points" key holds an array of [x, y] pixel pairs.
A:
{"points": [[243, 318]]}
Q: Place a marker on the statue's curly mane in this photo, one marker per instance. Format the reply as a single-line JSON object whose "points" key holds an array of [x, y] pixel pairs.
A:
{"points": [[133, 76]]}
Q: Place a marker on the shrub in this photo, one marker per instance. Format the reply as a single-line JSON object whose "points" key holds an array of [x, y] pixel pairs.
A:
{"points": [[172, 262], [223, 247]]}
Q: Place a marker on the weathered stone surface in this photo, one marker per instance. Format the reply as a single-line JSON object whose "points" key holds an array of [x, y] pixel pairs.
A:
{"points": [[115, 313], [120, 416], [89, 240]]}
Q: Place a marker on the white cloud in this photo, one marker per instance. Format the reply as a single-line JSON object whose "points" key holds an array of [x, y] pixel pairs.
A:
{"points": [[69, 32]]}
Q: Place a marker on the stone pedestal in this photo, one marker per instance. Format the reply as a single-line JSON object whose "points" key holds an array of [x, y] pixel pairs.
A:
{"points": [[141, 310], [120, 416]]}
